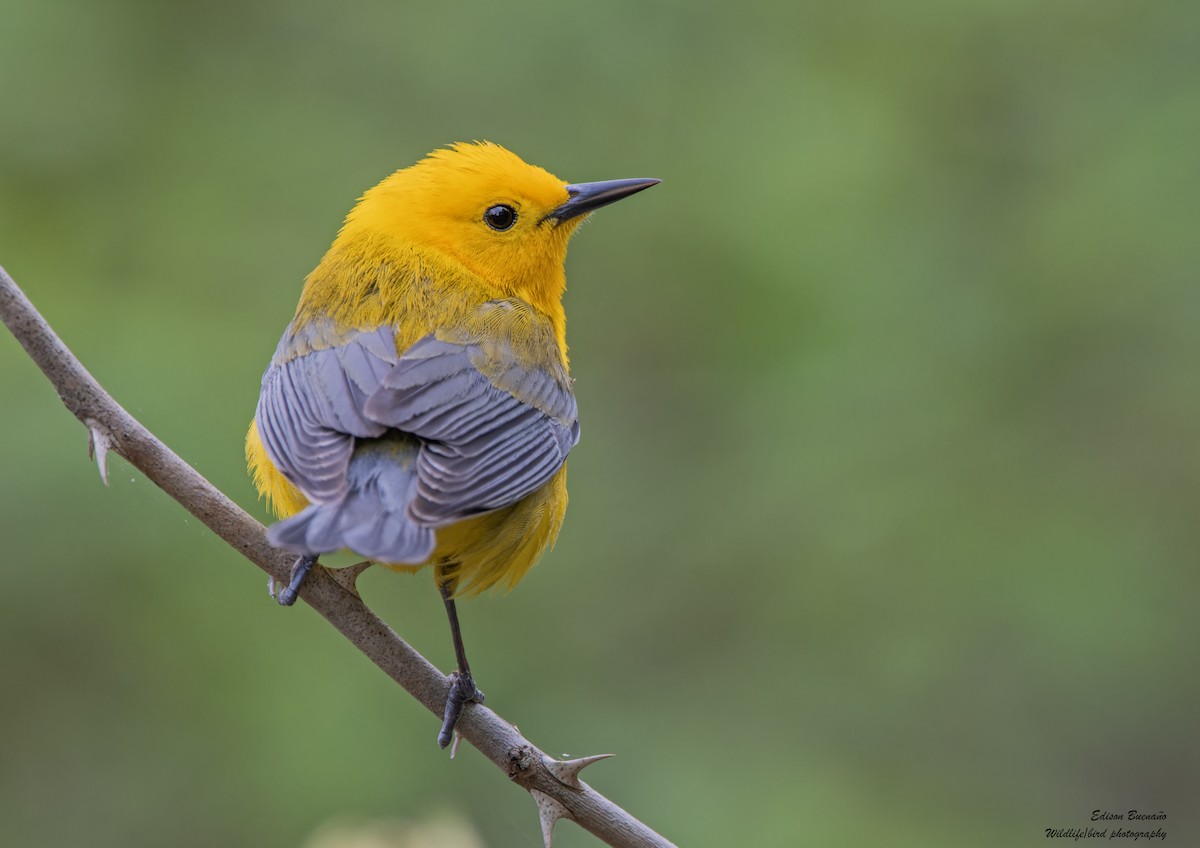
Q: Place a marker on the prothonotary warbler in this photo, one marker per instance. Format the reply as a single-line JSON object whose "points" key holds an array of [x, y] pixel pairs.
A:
{"points": [[418, 409]]}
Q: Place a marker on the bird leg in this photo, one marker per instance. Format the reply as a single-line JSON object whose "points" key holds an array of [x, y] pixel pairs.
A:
{"points": [[462, 686], [287, 596]]}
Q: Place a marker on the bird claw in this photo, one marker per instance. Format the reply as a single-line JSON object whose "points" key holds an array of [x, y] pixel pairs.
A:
{"points": [[288, 594], [462, 690]]}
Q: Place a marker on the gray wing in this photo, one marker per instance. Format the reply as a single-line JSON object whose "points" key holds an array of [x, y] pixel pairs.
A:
{"points": [[372, 519], [493, 430], [311, 407]]}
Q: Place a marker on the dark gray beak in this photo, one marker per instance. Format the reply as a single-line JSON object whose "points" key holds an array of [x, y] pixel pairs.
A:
{"points": [[588, 197]]}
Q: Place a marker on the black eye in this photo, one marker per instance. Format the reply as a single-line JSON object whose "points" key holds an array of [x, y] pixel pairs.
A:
{"points": [[500, 217]]}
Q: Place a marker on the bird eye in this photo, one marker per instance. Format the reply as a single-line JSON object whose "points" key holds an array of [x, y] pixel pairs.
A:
{"points": [[500, 217]]}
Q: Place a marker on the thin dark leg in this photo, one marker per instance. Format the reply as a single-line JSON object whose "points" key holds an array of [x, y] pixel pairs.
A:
{"points": [[462, 687], [288, 595]]}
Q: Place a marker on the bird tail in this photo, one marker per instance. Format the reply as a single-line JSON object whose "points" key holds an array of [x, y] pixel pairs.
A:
{"points": [[371, 519]]}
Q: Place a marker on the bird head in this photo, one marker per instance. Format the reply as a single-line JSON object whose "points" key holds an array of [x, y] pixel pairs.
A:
{"points": [[482, 206]]}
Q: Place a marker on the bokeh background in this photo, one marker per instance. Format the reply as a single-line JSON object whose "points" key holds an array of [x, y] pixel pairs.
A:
{"points": [[883, 527]]}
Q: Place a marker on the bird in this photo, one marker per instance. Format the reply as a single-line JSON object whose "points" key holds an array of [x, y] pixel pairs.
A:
{"points": [[418, 409]]}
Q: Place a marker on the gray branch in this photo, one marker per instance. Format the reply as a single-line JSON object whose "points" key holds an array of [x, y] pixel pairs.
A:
{"points": [[554, 785]]}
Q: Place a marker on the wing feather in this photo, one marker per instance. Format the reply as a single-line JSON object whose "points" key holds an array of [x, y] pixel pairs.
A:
{"points": [[492, 427], [310, 409]]}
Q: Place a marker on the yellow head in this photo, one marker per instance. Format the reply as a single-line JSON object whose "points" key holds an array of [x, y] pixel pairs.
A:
{"points": [[482, 206]]}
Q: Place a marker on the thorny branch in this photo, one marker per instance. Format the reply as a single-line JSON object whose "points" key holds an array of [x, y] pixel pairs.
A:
{"points": [[554, 785]]}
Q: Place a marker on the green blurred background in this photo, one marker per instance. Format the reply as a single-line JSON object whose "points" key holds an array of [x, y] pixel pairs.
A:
{"points": [[883, 525]]}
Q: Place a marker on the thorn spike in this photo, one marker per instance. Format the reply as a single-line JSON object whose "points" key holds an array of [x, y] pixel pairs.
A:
{"points": [[567, 771], [347, 577], [99, 444], [549, 811]]}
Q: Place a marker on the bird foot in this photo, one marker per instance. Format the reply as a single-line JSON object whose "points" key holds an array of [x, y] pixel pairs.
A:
{"points": [[289, 593], [462, 690]]}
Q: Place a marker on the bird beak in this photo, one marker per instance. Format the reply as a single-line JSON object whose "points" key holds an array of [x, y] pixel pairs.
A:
{"points": [[588, 197]]}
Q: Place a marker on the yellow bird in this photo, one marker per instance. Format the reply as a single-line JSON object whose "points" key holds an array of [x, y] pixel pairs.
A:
{"points": [[418, 409]]}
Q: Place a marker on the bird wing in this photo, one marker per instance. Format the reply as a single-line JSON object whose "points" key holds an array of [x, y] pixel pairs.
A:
{"points": [[491, 404], [310, 410], [495, 413]]}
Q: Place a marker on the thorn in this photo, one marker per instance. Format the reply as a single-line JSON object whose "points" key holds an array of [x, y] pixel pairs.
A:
{"points": [[549, 811], [99, 444], [271, 587], [567, 772], [347, 577], [454, 744]]}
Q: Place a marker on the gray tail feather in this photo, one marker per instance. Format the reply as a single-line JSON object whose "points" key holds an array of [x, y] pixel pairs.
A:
{"points": [[372, 518]]}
